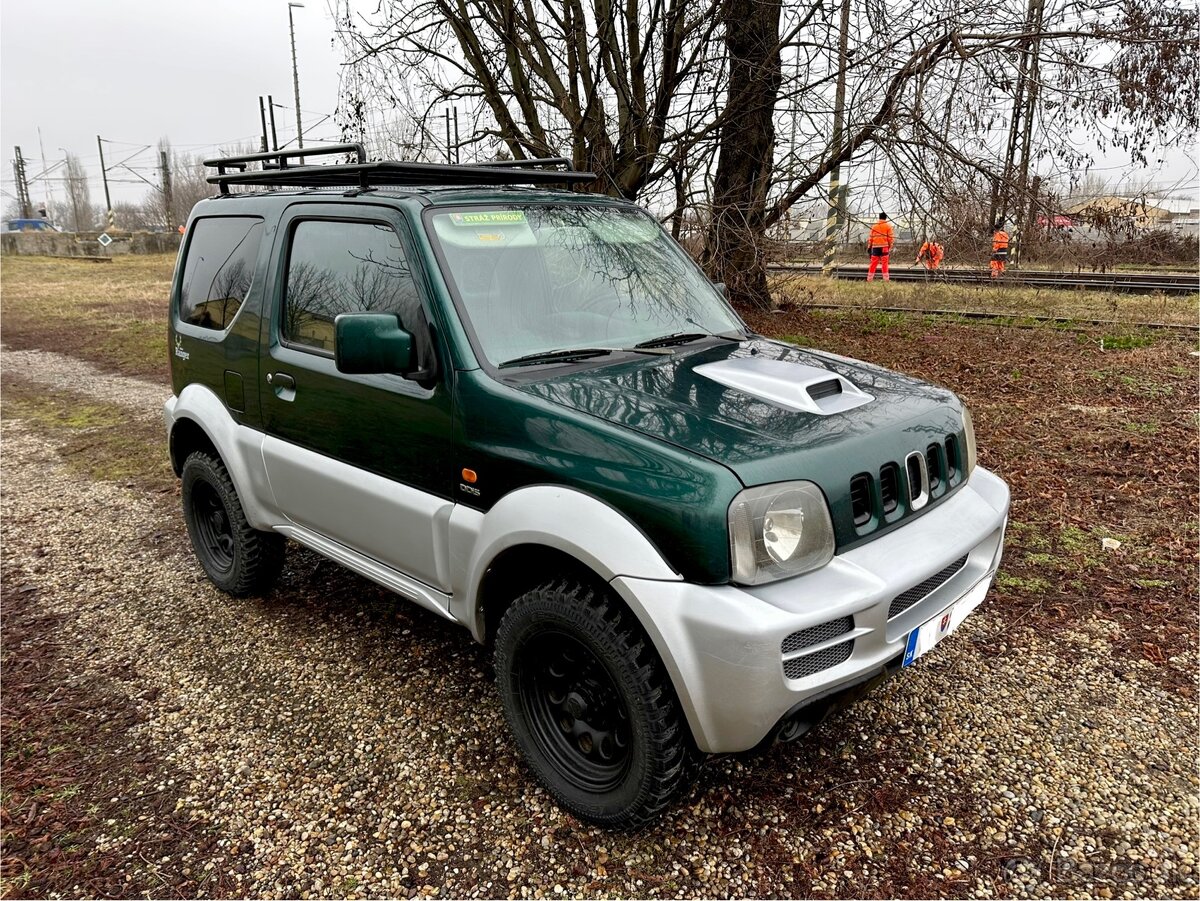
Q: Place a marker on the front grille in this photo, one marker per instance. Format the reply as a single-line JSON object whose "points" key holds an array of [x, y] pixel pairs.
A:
{"points": [[825, 389], [806, 638], [915, 486], [799, 667], [889, 487], [951, 457], [902, 602], [933, 462], [860, 499]]}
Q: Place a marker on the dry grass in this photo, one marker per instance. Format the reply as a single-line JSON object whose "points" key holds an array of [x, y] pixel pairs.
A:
{"points": [[806, 290], [112, 314]]}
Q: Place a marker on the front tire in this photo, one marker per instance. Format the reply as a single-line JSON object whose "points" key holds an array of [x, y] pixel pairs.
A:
{"points": [[591, 705], [236, 557]]}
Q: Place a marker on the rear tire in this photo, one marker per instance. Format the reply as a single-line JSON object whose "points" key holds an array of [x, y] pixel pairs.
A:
{"points": [[236, 557], [591, 706]]}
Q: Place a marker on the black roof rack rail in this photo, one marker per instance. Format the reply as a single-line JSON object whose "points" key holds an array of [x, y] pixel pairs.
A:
{"points": [[277, 171], [278, 159]]}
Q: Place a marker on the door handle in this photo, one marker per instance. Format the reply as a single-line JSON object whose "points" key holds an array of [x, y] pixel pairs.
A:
{"points": [[281, 380]]}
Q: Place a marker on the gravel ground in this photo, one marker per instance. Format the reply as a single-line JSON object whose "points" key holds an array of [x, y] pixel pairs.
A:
{"points": [[61, 371], [337, 743]]}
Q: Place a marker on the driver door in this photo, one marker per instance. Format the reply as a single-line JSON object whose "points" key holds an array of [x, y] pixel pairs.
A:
{"points": [[364, 460]]}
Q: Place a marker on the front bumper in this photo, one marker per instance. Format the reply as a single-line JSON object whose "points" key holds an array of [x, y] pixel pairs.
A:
{"points": [[722, 645]]}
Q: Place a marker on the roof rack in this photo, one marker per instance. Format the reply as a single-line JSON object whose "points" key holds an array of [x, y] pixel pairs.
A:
{"points": [[279, 170]]}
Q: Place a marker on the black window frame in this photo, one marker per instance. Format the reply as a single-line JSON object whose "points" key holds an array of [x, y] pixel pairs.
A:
{"points": [[194, 328], [421, 337]]}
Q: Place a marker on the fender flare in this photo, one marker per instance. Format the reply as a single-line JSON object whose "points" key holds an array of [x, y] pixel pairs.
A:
{"points": [[240, 449], [578, 524]]}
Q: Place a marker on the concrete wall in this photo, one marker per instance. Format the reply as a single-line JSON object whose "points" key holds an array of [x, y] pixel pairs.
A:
{"points": [[84, 244]]}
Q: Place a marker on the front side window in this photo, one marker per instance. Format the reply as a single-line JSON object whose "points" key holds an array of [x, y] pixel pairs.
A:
{"points": [[218, 270], [344, 267], [538, 279]]}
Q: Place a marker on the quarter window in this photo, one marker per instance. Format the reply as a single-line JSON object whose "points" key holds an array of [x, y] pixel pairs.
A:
{"points": [[344, 267], [218, 270]]}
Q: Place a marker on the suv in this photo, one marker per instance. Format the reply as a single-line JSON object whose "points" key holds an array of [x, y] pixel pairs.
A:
{"points": [[526, 410]]}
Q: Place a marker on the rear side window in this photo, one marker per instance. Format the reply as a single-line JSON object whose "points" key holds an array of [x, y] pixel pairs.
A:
{"points": [[344, 267], [218, 270]]}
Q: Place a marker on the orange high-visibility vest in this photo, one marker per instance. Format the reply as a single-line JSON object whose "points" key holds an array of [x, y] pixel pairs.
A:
{"points": [[1000, 240], [882, 235]]}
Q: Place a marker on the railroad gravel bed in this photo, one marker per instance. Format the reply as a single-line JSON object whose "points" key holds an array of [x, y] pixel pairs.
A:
{"points": [[340, 743]]}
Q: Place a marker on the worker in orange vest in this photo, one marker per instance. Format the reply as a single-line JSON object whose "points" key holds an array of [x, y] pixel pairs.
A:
{"points": [[999, 250], [879, 245], [930, 255]]}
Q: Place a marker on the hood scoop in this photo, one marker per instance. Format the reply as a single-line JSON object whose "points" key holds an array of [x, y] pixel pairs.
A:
{"points": [[792, 386]]}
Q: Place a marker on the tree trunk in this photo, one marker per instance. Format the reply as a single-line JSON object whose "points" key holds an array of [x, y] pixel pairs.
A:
{"points": [[737, 233]]}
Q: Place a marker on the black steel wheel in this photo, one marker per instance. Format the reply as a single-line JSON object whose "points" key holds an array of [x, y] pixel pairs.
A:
{"points": [[237, 558], [572, 703], [213, 529], [591, 706]]}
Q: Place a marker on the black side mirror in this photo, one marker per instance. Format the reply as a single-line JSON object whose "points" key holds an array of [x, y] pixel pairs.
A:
{"points": [[372, 342], [723, 288]]}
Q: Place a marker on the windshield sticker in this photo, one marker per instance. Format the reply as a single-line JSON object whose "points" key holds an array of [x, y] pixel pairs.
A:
{"points": [[489, 217]]}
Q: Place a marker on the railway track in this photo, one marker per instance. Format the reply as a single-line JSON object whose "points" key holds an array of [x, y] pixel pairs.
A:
{"points": [[1118, 282], [1018, 320]]}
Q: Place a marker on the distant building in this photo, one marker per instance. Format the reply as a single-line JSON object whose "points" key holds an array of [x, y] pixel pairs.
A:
{"points": [[1183, 211], [1113, 211]]}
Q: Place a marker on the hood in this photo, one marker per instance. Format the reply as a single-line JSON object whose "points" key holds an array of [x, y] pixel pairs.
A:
{"points": [[751, 406], [768, 411]]}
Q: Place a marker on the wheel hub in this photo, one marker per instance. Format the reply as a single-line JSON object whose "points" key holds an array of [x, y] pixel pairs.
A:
{"points": [[576, 711], [213, 526]]}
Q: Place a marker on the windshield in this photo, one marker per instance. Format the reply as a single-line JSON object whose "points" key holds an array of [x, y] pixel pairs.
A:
{"points": [[539, 278]]}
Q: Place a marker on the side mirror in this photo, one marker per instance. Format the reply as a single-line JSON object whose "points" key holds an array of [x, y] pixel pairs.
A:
{"points": [[371, 342], [723, 288]]}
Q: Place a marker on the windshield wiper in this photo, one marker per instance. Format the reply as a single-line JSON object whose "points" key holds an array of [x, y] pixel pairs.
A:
{"points": [[686, 338], [557, 356], [673, 338]]}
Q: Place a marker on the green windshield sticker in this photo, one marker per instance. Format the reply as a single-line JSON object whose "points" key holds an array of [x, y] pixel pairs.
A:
{"points": [[489, 217]]}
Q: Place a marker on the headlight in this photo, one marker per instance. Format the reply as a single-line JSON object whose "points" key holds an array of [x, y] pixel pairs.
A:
{"points": [[776, 531], [969, 431]]}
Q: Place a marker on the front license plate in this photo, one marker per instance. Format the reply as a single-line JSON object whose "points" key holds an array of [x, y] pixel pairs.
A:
{"points": [[922, 639]]}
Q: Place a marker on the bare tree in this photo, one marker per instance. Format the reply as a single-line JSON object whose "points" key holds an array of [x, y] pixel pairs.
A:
{"points": [[718, 113], [188, 187], [612, 86], [130, 216], [76, 211], [735, 253]]}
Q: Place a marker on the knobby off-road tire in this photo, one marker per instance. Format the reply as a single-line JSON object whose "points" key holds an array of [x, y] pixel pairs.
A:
{"points": [[238, 558], [591, 706]]}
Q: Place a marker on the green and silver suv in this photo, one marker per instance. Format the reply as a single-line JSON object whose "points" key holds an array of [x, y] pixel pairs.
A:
{"points": [[526, 410]]}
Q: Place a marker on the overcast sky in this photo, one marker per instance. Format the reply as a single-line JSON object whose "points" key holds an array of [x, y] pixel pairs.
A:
{"points": [[133, 71]]}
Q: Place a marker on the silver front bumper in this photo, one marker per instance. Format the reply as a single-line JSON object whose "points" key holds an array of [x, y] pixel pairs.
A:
{"points": [[722, 645]]}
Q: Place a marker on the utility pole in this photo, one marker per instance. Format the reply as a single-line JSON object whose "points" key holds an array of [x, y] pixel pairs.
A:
{"points": [[296, 76], [457, 143], [836, 192], [46, 183], [449, 159], [1021, 112], [262, 115], [104, 176], [271, 110], [1024, 201], [168, 200], [22, 185]]}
